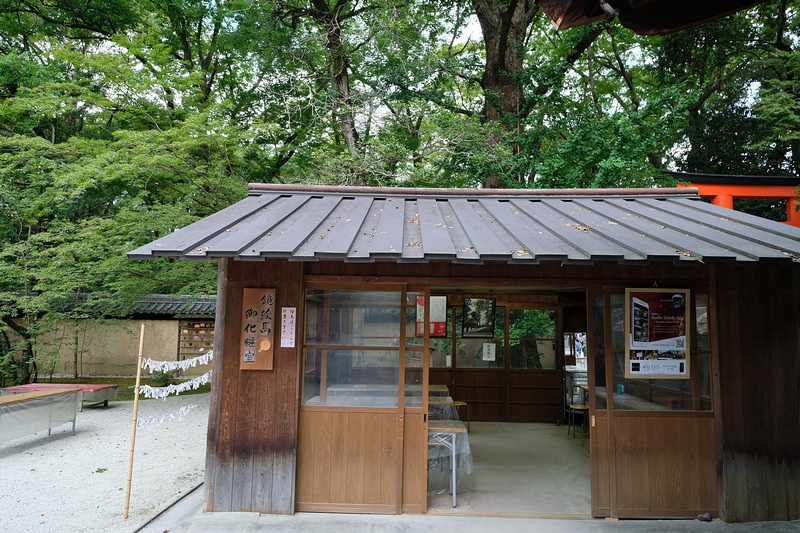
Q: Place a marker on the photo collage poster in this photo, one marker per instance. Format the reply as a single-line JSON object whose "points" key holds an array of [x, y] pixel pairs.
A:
{"points": [[657, 333]]}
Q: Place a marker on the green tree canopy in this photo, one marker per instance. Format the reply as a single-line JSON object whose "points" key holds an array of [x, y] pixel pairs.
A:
{"points": [[121, 121]]}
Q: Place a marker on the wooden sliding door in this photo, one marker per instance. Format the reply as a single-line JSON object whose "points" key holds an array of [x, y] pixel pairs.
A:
{"points": [[350, 461], [362, 436], [652, 440]]}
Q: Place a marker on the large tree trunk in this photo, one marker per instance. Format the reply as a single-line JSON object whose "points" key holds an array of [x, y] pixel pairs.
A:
{"points": [[331, 19], [504, 26], [340, 73]]}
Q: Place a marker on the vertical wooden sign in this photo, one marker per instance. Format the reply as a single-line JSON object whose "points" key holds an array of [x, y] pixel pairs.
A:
{"points": [[288, 325], [258, 317]]}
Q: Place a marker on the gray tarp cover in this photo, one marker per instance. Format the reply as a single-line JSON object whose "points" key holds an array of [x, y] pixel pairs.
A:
{"points": [[37, 413]]}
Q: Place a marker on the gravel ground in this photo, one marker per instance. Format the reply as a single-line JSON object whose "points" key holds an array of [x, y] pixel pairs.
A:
{"points": [[66, 483]]}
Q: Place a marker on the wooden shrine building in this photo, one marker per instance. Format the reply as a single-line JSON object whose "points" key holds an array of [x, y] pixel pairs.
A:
{"points": [[338, 309]]}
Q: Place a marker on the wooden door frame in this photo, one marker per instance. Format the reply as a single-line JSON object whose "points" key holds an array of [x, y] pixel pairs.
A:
{"points": [[397, 432], [598, 450], [611, 497]]}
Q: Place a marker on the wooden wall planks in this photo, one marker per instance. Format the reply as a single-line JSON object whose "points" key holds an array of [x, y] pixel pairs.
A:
{"points": [[759, 413], [665, 466], [253, 416], [415, 464], [349, 461], [601, 470]]}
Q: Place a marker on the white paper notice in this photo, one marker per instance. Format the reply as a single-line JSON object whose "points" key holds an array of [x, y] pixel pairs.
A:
{"points": [[288, 322], [489, 351]]}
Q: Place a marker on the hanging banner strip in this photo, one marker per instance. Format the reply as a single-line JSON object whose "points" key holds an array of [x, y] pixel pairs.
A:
{"points": [[163, 392], [168, 366], [174, 415]]}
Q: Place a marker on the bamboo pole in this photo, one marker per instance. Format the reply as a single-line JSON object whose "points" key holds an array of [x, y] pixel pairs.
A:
{"points": [[135, 419]]}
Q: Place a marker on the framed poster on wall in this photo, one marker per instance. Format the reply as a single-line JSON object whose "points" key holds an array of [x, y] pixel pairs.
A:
{"points": [[657, 333], [438, 317], [478, 318]]}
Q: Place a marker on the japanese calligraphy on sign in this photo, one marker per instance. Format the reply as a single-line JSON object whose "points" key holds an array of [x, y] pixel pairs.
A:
{"points": [[288, 326], [258, 319]]}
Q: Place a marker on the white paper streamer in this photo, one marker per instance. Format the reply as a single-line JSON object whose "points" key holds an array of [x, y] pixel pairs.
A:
{"points": [[169, 366], [174, 415], [163, 392]]}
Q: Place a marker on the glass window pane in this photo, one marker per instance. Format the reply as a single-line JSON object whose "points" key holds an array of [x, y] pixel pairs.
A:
{"points": [[312, 377], [531, 323], [414, 301], [532, 343], [618, 321], [479, 353], [532, 354], [441, 353], [353, 318], [359, 378], [599, 327], [599, 330], [661, 394], [499, 323], [600, 381], [413, 383], [353, 373], [701, 320], [703, 402]]}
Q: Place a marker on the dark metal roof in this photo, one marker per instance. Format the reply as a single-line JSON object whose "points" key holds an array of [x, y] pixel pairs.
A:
{"points": [[308, 223], [115, 305], [176, 306]]}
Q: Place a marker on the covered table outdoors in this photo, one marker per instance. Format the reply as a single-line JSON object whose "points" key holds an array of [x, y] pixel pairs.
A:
{"points": [[92, 392], [29, 412], [449, 458]]}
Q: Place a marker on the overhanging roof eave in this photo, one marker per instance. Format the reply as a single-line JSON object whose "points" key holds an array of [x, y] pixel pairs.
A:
{"points": [[580, 226]]}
